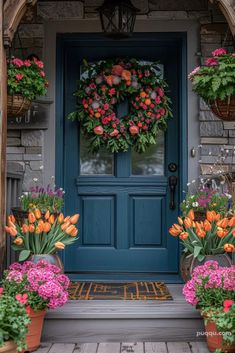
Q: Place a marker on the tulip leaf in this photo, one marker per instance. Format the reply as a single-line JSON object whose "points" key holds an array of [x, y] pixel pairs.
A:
{"points": [[24, 254], [197, 250]]}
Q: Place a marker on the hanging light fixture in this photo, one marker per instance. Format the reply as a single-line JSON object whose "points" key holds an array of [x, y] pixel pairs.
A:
{"points": [[117, 18]]}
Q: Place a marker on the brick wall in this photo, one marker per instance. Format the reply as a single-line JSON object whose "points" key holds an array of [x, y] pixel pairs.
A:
{"points": [[25, 147]]}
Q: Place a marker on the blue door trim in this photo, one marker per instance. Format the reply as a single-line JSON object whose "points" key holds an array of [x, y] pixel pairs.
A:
{"points": [[64, 40]]}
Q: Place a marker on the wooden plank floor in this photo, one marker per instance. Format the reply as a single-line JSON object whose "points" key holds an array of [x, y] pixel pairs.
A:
{"points": [[139, 347]]}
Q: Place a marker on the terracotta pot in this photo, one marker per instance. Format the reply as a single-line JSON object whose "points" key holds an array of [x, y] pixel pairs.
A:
{"points": [[9, 347], [215, 339], [51, 258], [188, 263], [17, 105], [33, 337]]}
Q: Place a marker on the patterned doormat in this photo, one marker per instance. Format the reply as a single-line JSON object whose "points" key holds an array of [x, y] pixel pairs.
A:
{"points": [[119, 291]]}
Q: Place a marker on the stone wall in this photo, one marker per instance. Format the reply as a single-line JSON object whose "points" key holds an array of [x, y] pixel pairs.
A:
{"points": [[25, 147]]}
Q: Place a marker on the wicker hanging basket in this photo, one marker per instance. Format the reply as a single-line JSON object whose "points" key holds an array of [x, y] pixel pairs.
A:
{"points": [[224, 109], [17, 105]]}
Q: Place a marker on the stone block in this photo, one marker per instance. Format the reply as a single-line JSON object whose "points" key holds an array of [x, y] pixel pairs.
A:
{"points": [[36, 165], [32, 157], [53, 10], [15, 150], [168, 15], [214, 28], [229, 125], [31, 30], [214, 150], [203, 105], [13, 133], [13, 141], [211, 38], [14, 157], [29, 176], [32, 138], [231, 133], [217, 160], [214, 140], [15, 167], [231, 141], [213, 129], [209, 169], [185, 5], [30, 15], [207, 115], [33, 150]]}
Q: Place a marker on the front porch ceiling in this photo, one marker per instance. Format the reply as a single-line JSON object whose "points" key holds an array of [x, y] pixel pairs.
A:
{"points": [[14, 11]]}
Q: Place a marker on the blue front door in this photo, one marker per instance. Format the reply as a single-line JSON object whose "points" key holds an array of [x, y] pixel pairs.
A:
{"points": [[123, 199]]}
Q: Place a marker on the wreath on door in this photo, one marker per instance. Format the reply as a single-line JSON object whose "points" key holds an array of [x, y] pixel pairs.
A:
{"points": [[105, 84]]}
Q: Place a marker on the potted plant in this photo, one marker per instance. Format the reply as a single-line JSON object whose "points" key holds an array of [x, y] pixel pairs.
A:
{"points": [[38, 286], [215, 83], [42, 236], [25, 81], [45, 199], [213, 238], [13, 324], [212, 290]]}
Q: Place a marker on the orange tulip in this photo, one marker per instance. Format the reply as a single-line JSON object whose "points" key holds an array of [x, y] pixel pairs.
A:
{"points": [[47, 215], [11, 224], [183, 235], [181, 222], [173, 232], [65, 225], [188, 222], [221, 232], [51, 219], [25, 228], [126, 75], [39, 229], [67, 219], [74, 219], [177, 227], [31, 228], [70, 229], [46, 227], [210, 216], [229, 247], [7, 229], [231, 222], [74, 233], [18, 241], [31, 217], [13, 232], [207, 225], [223, 223], [191, 215], [11, 218], [59, 245], [37, 213], [200, 233], [60, 218]]}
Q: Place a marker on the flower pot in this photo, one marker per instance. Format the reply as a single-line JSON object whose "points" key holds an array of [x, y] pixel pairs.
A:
{"points": [[33, 337], [9, 347], [215, 338], [51, 258], [188, 263], [17, 105], [21, 215], [199, 216], [224, 109]]}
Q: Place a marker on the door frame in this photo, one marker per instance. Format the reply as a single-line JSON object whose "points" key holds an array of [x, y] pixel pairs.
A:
{"points": [[68, 38]]}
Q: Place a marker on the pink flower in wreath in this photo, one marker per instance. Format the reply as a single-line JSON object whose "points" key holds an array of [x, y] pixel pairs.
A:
{"points": [[17, 62], [106, 106], [1, 290], [211, 62], [19, 76], [160, 91], [218, 52], [117, 70], [158, 100], [112, 91], [42, 74]]}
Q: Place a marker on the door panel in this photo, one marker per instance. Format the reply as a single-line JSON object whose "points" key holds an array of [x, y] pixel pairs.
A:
{"points": [[123, 198]]}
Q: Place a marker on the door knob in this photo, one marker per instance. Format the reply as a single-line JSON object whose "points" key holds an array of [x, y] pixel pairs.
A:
{"points": [[172, 167], [172, 180]]}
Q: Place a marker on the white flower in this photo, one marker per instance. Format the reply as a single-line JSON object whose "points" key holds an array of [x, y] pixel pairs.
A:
{"points": [[35, 179], [228, 195], [191, 197], [193, 181], [188, 184], [95, 105], [195, 204], [41, 167]]}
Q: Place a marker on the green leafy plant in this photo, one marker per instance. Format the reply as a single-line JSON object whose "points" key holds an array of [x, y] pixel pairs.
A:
{"points": [[13, 321], [26, 77], [42, 234], [216, 79]]}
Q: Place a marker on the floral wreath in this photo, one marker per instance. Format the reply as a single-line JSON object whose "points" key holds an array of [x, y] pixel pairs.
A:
{"points": [[110, 82]]}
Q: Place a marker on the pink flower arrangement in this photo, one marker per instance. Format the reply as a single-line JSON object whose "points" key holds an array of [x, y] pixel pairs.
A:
{"points": [[210, 286], [219, 51], [40, 285]]}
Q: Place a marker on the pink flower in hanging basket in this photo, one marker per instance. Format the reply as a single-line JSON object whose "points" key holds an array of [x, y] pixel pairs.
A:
{"points": [[218, 52], [19, 76], [211, 62]]}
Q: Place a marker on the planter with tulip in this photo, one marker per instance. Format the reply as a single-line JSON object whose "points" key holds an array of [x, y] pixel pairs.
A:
{"points": [[38, 287], [42, 235], [213, 237], [212, 290], [215, 83], [13, 324], [25, 81]]}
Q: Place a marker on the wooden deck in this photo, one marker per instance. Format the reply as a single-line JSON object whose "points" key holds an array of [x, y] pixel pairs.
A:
{"points": [[146, 347]]}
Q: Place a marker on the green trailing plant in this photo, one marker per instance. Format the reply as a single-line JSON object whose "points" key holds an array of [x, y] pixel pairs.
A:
{"points": [[26, 77], [13, 321], [215, 79]]}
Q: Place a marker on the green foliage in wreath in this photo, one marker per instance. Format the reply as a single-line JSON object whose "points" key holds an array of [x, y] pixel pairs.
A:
{"points": [[109, 82]]}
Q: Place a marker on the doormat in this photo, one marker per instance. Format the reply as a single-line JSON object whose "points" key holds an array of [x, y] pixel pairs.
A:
{"points": [[119, 291]]}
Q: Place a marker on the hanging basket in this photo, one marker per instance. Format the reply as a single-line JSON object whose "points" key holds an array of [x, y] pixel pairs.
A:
{"points": [[17, 105], [224, 109]]}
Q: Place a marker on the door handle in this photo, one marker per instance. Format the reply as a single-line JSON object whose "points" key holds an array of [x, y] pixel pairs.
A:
{"points": [[173, 180]]}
